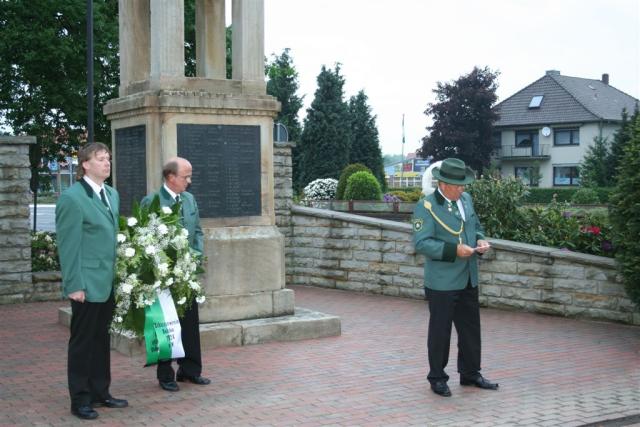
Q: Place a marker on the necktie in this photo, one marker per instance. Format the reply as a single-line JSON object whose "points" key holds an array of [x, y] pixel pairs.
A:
{"points": [[177, 198], [104, 199]]}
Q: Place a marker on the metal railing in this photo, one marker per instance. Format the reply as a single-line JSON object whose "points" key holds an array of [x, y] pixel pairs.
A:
{"points": [[534, 152]]}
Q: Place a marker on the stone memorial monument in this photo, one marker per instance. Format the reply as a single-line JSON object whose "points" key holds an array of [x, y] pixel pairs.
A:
{"points": [[224, 127]]}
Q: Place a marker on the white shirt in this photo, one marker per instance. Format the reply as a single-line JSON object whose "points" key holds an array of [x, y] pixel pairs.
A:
{"points": [[171, 193], [458, 203], [97, 188]]}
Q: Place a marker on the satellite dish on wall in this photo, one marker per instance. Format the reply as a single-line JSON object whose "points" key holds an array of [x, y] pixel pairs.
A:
{"points": [[546, 131]]}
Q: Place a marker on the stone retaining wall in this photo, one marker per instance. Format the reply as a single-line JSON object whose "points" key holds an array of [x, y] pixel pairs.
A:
{"points": [[15, 237], [345, 251]]}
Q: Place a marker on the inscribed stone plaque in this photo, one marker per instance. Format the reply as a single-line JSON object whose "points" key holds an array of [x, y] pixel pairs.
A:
{"points": [[130, 162], [226, 168]]}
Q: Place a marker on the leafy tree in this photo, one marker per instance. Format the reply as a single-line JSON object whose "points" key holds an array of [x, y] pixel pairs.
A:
{"points": [[594, 168], [43, 72], [462, 119], [365, 144], [325, 141], [624, 213]]}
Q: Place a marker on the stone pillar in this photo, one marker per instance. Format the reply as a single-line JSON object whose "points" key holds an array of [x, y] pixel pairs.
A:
{"points": [[134, 36], [167, 39], [283, 193], [15, 238], [248, 39], [211, 49]]}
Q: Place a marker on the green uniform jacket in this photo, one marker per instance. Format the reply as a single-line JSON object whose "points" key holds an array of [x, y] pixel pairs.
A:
{"points": [[190, 218], [443, 270], [86, 237]]}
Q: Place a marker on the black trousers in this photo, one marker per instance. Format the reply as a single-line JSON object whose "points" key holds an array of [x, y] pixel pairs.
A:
{"points": [[88, 361], [191, 363], [462, 309]]}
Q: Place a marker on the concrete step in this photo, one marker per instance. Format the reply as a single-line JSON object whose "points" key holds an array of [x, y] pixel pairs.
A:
{"points": [[302, 325]]}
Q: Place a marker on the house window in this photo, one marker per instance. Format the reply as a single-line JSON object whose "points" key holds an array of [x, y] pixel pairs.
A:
{"points": [[527, 175], [526, 138], [565, 175], [536, 101], [496, 138], [566, 136]]}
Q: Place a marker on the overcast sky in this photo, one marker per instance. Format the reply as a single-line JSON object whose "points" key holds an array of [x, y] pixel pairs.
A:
{"points": [[397, 50]]}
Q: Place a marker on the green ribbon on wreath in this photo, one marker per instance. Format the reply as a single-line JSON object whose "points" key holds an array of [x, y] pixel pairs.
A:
{"points": [[156, 341]]}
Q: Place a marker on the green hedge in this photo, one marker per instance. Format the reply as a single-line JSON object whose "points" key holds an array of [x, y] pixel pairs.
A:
{"points": [[545, 195]]}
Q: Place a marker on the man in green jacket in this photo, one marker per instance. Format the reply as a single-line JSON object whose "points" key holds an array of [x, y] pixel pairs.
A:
{"points": [[177, 177], [448, 233], [86, 229]]}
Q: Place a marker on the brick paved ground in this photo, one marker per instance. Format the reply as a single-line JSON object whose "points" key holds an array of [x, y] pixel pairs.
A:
{"points": [[552, 372]]}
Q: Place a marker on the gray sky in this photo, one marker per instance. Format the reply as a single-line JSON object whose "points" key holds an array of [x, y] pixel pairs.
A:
{"points": [[397, 50]]}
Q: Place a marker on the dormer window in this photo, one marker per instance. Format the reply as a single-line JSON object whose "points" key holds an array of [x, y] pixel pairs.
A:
{"points": [[536, 100]]}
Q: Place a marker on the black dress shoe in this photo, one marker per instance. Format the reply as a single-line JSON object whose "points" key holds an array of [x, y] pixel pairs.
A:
{"points": [[169, 385], [441, 388], [111, 402], [480, 382], [181, 376], [84, 412]]}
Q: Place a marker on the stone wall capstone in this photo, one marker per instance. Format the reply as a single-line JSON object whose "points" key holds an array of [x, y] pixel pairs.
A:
{"points": [[15, 238]]}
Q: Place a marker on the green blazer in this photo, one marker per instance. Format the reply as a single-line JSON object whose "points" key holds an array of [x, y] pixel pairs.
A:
{"points": [[190, 218], [86, 237], [443, 270]]}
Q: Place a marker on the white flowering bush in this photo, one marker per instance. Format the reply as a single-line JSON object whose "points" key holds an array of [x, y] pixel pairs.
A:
{"points": [[321, 189], [153, 254], [44, 252]]}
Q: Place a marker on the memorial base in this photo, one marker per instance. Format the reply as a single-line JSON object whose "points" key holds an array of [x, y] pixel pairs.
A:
{"points": [[304, 324]]}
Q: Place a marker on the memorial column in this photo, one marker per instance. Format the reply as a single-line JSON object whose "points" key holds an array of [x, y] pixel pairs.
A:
{"points": [[211, 37], [167, 39], [133, 22], [248, 39]]}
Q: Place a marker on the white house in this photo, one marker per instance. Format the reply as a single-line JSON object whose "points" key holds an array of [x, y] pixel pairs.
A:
{"points": [[544, 130]]}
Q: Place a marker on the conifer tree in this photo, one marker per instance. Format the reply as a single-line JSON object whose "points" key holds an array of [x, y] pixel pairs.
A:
{"points": [[594, 168], [624, 213], [365, 144], [326, 138]]}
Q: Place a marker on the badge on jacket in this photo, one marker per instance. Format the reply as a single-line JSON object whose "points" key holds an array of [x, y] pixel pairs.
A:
{"points": [[417, 224]]}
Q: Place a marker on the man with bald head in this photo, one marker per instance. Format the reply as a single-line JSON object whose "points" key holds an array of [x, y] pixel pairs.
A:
{"points": [[177, 176]]}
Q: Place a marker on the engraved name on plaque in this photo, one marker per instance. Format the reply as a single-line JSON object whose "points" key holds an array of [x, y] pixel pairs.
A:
{"points": [[226, 168], [130, 162]]}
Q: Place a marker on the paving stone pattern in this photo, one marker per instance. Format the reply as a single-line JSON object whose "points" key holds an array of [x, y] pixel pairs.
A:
{"points": [[552, 371]]}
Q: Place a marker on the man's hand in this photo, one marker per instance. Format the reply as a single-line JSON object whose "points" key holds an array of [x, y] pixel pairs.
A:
{"points": [[464, 251], [482, 246], [77, 296]]}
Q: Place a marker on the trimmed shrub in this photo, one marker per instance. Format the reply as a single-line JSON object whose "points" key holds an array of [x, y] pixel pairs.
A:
{"points": [[407, 196], [344, 176], [585, 196], [546, 195], [363, 186]]}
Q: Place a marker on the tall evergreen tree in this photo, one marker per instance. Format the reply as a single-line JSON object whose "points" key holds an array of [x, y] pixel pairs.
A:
{"points": [[594, 168], [620, 139], [283, 84], [463, 119], [365, 144], [624, 213], [326, 136]]}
